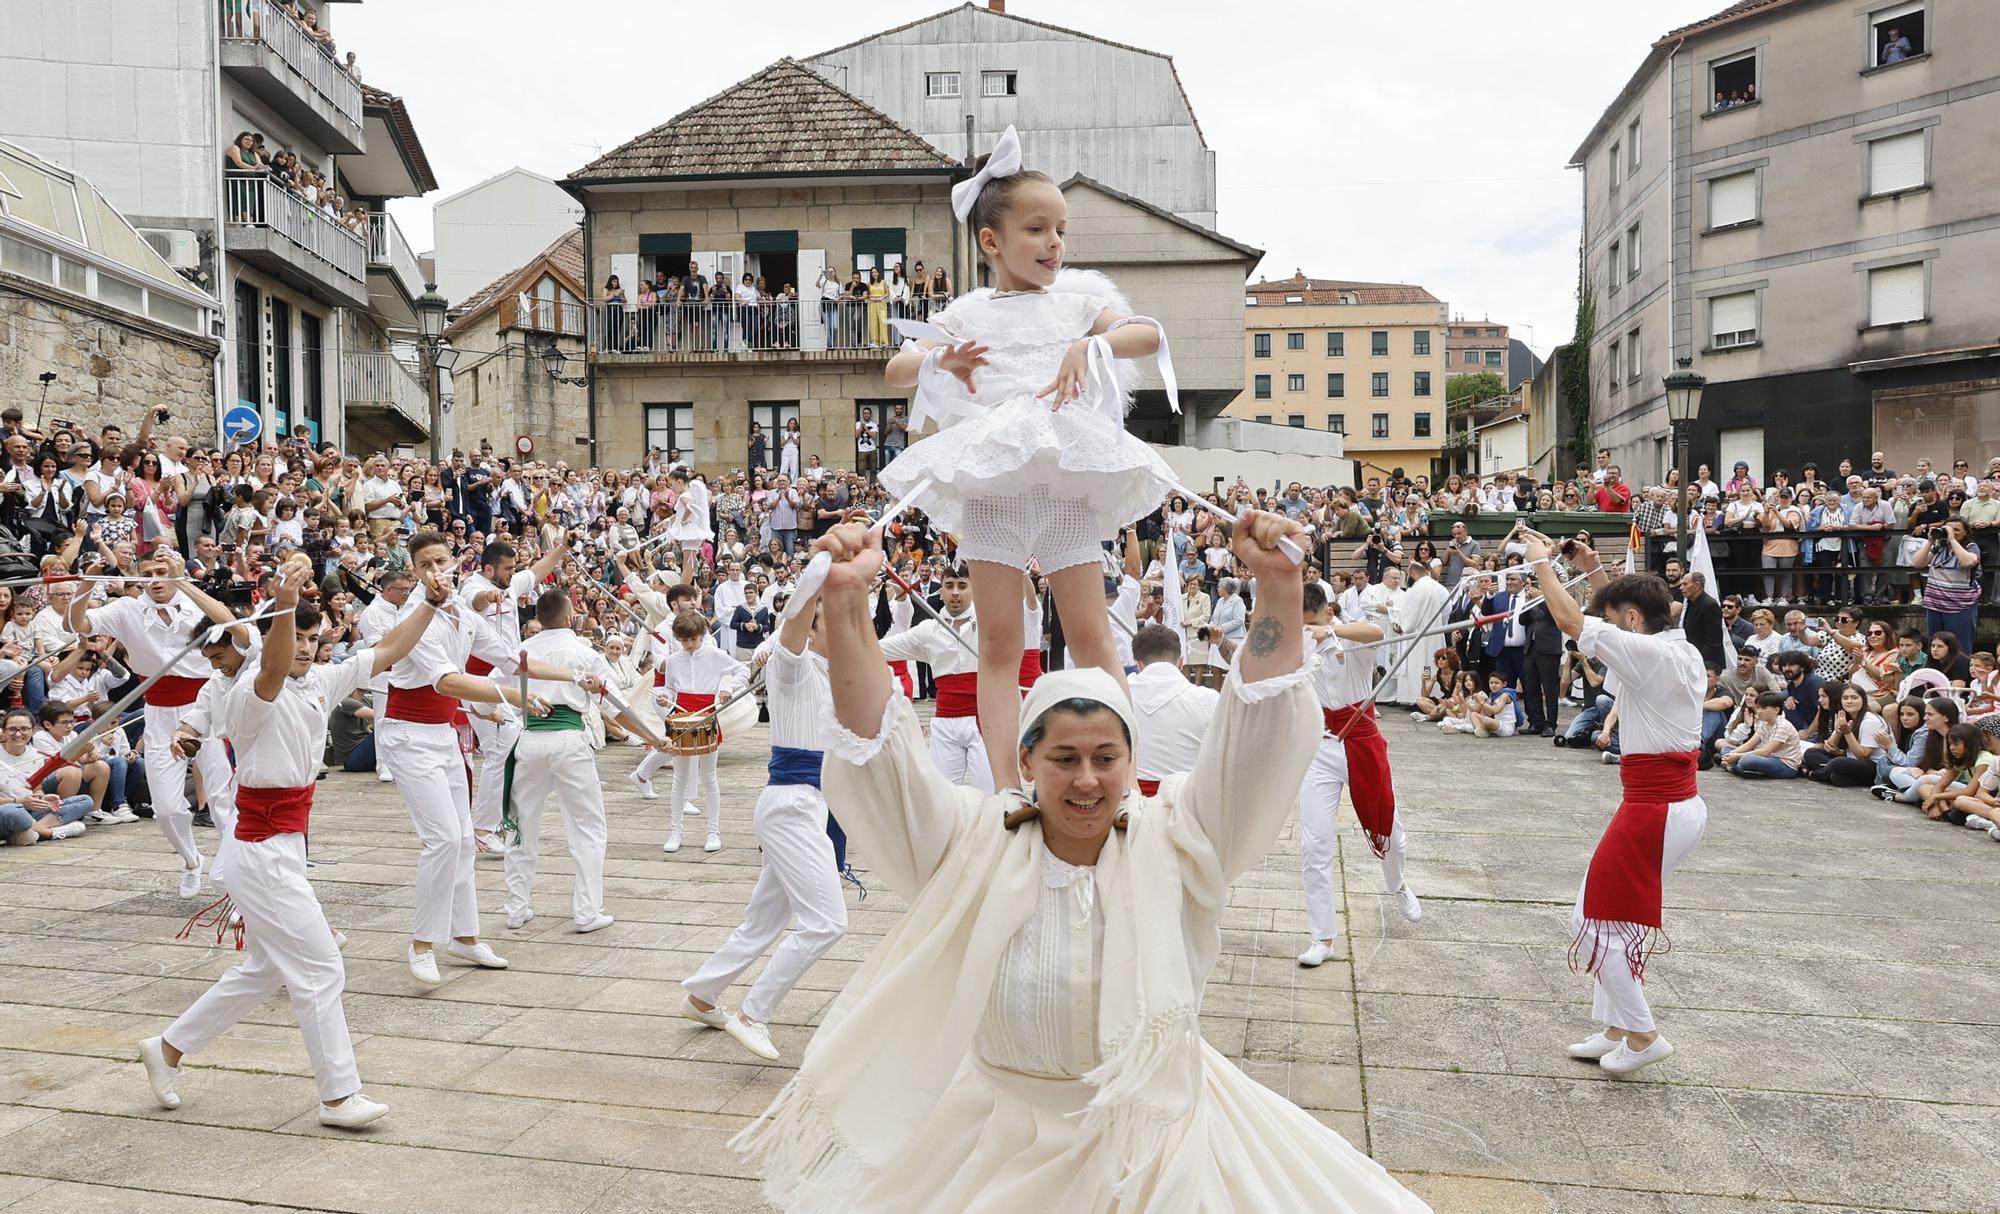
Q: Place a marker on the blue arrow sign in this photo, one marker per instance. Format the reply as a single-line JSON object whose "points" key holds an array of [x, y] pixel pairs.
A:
{"points": [[242, 424]]}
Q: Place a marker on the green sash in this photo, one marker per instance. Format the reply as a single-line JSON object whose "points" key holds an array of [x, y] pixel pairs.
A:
{"points": [[561, 717]]}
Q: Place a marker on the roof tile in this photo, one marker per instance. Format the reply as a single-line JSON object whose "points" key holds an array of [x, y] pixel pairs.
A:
{"points": [[1329, 290], [566, 254]]}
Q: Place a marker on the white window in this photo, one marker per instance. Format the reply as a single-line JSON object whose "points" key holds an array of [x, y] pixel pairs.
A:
{"points": [[1611, 269], [670, 427], [1617, 164], [1613, 364], [1732, 82], [941, 84], [1899, 32], [1732, 199], [1632, 251], [1897, 162], [1896, 294], [996, 84], [1632, 355], [1632, 145], [1732, 320]]}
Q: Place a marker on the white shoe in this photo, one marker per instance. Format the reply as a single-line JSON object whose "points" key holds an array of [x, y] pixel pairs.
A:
{"points": [[1406, 901], [632, 739], [1975, 822], [479, 954], [673, 843], [596, 923], [1594, 1047], [99, 817], [714, 842], [488, 844], [1994, 834], [123, 814], [1608, 759], [714, 1017], [751, 1036], [1316, 955], [382, 774], [68, 830], [352, 1113], [191, 880], [1417, 717], [424, 967], [516, 920], [339, 941], [646, 790], [1624, 1060], [158, 1073]]}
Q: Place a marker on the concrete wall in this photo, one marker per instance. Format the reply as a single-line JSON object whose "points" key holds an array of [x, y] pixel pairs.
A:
{"points": [[828, 396], [495, 228], [110, 366]]}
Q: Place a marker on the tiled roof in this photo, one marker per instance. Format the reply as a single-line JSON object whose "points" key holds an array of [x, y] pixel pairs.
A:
{"points": [[786, 119], [1329, 290], [399, 121], [1742, 8], [565, 256]]}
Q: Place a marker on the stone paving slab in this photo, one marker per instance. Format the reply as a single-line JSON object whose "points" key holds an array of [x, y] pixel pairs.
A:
{"points": [[1833, 987]]}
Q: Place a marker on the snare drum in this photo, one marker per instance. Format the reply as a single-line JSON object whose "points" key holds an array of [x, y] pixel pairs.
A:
{"points": [[693, 733]]}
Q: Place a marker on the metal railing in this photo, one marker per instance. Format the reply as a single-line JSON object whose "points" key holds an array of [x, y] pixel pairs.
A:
{"points": [[538, 315], [386, 247], [385, 381], [252, 200], [728, 327], [258, 21]]}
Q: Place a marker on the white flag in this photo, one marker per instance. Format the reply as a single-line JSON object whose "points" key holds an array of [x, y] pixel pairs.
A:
{"points": [[1170, 590], [1699, 561]]}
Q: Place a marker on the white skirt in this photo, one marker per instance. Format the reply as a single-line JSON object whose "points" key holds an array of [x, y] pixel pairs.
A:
{"points": [[1001, 1142]]}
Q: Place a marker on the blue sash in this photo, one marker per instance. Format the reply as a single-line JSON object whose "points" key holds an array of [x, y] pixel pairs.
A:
{"points": [[792, 765]]}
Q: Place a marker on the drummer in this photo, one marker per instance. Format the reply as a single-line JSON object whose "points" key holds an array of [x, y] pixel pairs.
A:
{"points": [[696, 677]]}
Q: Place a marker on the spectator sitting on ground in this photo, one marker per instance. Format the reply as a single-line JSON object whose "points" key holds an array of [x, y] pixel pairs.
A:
{"points": [[1774, 749]]}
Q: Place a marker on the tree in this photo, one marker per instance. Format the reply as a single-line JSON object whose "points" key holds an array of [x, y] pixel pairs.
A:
{"points": [[1465, 390]]}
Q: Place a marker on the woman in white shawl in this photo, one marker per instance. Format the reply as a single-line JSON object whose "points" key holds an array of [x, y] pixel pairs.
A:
{"points": [[1027, 1038]]}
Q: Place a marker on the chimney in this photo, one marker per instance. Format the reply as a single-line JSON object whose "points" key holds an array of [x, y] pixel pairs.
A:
{"points": [[1298, 276], [998, 6]]}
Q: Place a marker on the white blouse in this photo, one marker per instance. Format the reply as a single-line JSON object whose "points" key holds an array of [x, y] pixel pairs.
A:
{"points": [[1041, 1017]]}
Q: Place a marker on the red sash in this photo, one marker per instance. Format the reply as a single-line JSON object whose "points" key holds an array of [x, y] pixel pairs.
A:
{"points": [[421, 705], [1031, 667], [173, 691], [902, 672], [958, 694], [1368, 780], [1622, 895], [262, 813], [479, 666], [1149, 788], [695, 701]]}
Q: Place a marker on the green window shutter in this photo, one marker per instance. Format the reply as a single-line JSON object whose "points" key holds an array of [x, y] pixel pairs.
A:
{"points": [[881, 242], [771, 242], [666, 244]]}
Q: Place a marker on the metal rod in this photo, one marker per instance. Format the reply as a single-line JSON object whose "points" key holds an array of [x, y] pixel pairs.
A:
{"points": [[1286, 544], [932, 612], [1368, 704]]}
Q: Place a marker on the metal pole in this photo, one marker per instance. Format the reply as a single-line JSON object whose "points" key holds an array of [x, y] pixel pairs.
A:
{"points": [[1687, 504]]}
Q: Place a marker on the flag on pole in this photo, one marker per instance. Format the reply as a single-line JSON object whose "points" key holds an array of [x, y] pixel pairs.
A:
{"points": [[1633, 542], [1699, 561], [1170, 590]]}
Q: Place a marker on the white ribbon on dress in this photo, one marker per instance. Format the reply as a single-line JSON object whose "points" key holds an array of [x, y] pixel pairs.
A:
{"points": [[1004, 162], [1079, 879]]}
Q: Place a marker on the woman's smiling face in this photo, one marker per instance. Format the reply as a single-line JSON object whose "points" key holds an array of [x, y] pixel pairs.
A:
{"points": [[1080, 768]]}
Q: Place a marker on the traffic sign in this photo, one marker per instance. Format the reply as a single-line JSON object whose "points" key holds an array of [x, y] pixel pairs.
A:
{"points": [[525, 445], [242, 424]]}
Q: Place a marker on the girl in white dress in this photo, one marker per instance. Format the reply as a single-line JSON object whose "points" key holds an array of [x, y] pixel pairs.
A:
{"points": [[1028, 1037], [788, 449], [1034, 459]]}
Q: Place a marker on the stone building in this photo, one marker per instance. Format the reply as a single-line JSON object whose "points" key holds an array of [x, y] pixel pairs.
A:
{"points": [[506, 385]]}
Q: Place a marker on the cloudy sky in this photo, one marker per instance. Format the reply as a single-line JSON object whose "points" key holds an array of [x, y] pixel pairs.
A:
{"points": [[1403, 140]]}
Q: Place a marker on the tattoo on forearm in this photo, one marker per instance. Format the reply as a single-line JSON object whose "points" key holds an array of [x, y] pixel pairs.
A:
{"points": [[1265, 633]]}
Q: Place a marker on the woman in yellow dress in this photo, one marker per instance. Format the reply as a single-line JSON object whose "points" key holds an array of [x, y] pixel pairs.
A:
{"points": [[878, 309]]}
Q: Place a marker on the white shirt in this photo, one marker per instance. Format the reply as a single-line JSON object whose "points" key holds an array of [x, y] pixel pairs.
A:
{"points": [[562, 647], [690, 523], [1342, 678], [49, 631], [1173, 717], [374, 623], [375, 487], [801, 699], [930, 642], [279, 742], [1658, 682], [15, 770], [453, 635], [153, 632], [704, 672], [81, 691], [504, 616], [1041, 1015]]}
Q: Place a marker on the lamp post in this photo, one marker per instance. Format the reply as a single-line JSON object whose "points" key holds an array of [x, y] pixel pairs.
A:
{"points": [[1684, 389], [438, 357]]}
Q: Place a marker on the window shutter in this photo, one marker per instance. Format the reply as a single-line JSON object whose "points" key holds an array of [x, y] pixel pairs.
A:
{"points": [[1733, 318], [666, 244], [1896, 294], [1896, 163], [1732, 200]]}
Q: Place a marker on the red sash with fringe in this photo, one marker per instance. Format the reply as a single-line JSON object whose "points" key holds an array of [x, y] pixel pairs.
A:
{"points": [[1622, 895], [1368, 779]]}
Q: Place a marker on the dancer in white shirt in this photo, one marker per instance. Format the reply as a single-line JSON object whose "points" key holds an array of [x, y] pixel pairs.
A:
{"points": [[275, 714], [374, 623], [695, 677], [956, 746], [689, 527], [799, 880], [1173, 714], [497, 593]]}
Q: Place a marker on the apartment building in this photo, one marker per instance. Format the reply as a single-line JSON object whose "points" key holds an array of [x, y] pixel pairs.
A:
{"points": [[1800, 197], [142, 97], [520, 370], [1361, 359], [488, 230], [1475, 346]]}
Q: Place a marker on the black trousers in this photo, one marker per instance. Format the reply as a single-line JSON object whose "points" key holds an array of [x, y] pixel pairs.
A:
{"points": [[1542, 684]]}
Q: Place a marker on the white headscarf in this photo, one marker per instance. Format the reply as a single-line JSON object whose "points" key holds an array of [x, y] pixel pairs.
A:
{"points": [[1087, 683]]}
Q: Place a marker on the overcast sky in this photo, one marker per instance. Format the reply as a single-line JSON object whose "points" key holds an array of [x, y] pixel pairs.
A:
{"points": [[1402, 141]]}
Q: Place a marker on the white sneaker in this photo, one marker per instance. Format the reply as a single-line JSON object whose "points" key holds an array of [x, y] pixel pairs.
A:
{"points": [[1594, 1047], [68, 830], [673, 843], [1417, 717], [1624, 1060], [1994, 834], [714, 1017], [751, 1036], [158, 1073], [1608, 759], [1975, 822], [488, 844], [191, 880], [632, 739], [382, 774], [424, 967], [595, 923], [339, 941], [479, 954], [518, 919], [99, 817], [123, 814], [1316, 955], [352, 1113], [1406, 901], [714, 842], [646, 790]]}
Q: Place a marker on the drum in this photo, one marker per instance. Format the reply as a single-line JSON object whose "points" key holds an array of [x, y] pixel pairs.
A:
{"points": [[693, 733]]}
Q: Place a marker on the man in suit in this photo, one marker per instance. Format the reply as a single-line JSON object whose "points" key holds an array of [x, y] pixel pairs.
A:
{"points": [[1701, 620], [1503, 644], [1542, 664]]}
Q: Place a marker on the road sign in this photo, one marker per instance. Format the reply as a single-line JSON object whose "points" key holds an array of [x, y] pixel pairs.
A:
{"points": [[242, 424], [525, 445]]}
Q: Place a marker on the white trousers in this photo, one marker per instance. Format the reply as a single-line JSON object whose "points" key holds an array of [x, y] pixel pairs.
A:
{"points": [[496, 742], [1617, 998], [695, 775], [430, 773], [288, 944], [556, 761], [166, 779], [960, 753], [1319, 807], [798, 881]]}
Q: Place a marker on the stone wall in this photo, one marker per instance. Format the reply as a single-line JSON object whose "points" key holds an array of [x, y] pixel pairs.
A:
{"points": [[499, 396], [828, 395], [110, 366]]}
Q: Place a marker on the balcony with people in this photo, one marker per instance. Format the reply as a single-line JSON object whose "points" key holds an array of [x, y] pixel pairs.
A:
{"points": [[287, 217], [281, 53]]}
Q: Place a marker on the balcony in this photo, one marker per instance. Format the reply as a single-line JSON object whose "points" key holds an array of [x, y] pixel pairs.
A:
{"points": [[395, 280], [274, 230], [769, 331], [279, 63], [535, 314], [383, 394]]}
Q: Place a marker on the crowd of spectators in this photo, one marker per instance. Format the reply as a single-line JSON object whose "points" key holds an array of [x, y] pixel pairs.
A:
{"points": [[249, 165], [248, 18]]}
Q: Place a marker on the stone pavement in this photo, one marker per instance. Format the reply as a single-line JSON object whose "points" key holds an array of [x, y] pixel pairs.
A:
{"points": [[1834, 989]]}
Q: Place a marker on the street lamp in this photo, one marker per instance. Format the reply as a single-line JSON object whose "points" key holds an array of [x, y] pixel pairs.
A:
{"points": [[1684, 389], [431, 308]]}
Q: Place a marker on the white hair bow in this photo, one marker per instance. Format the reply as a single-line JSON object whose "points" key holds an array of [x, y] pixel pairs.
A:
{"points": [[1004, 162]]}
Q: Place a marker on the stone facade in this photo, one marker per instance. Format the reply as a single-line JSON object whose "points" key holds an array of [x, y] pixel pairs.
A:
{"points": [[829, 396], [110, 366], [499, 396]]}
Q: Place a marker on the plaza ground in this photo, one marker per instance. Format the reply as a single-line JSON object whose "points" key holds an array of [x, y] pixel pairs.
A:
{"points": [[1833, 987]]}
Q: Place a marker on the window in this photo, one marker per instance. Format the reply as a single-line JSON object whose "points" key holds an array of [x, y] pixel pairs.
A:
{"points": [[669, 427], [1260, 345], [1617, 164], [1897, 33], [1471, 358], [1295, 383], [1295, 341], [1378, 384], [1898, 162], [1336, 423], [1611, 266], [1423, 385], [941, 84], [1612, 364], [1420, 342], [1378, 425], [1632, 251], [1336, 344], [312, 405], [281, 364], [1263, 419], [1732, 82], [1423, 424], [1632, 356], [1494, 333], [1296, 421], [1493, 358], [1261, 387], [1292, 299], [249, 346], [1336, 385], [772, 416], [1732, 199], [996, 84], [1378, 343], [1632, 147], [1732, 320], [1896, 294]]}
